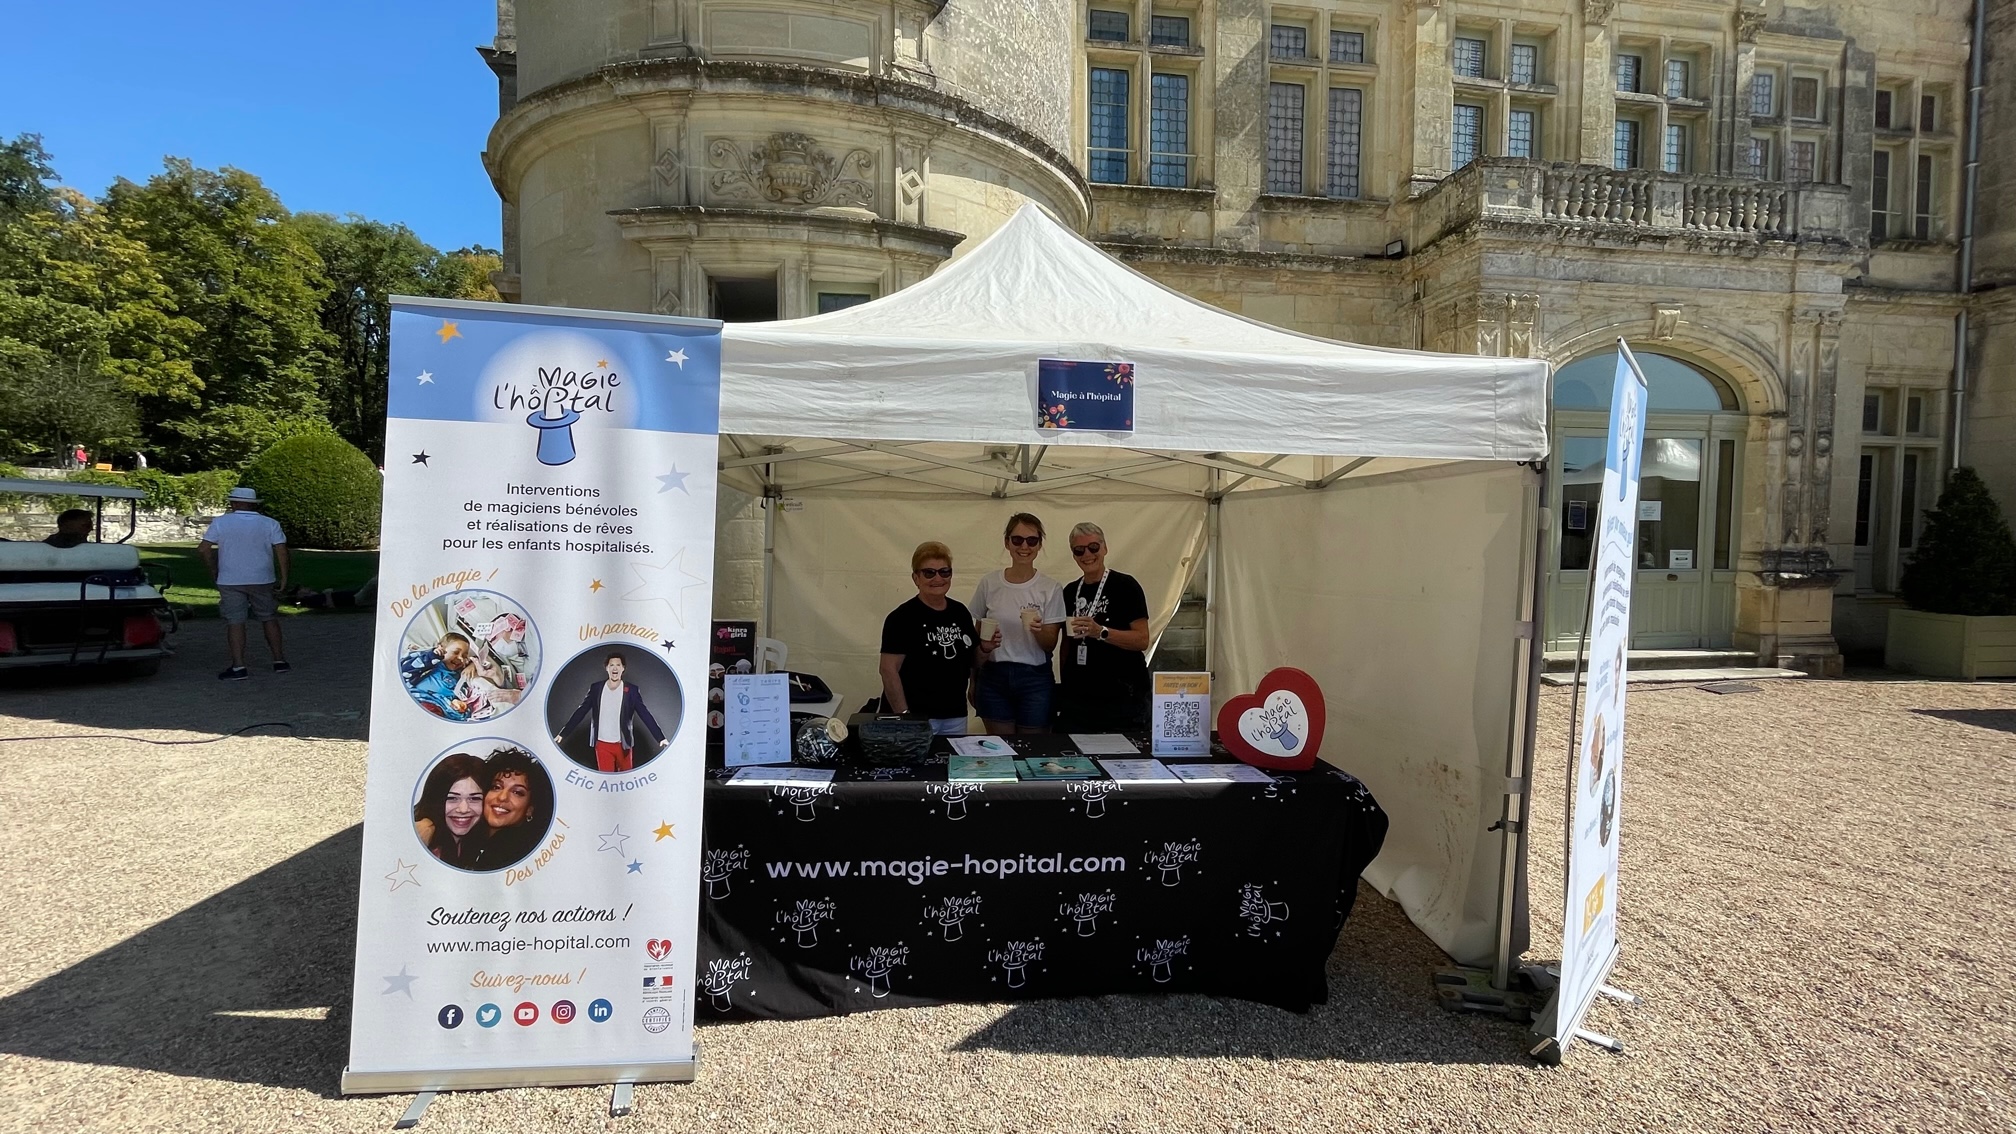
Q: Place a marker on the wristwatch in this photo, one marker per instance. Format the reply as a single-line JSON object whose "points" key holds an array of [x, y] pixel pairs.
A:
{"points": [[1103, 631]]}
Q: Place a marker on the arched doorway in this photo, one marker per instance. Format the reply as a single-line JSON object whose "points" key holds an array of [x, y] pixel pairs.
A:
{"points": [[1689, 502]]}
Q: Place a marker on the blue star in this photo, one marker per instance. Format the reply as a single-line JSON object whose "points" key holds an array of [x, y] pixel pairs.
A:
{"points": [[401, 983], [674, 479], [636, 868]]}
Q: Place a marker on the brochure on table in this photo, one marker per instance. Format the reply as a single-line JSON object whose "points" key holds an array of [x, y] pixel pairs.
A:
{"points": [[756, 719], [530, 879]]}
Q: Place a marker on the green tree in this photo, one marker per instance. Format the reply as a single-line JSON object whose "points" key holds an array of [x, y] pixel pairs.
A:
{"points": [[365, 262], [1965, 562], [252, 282], [83, 309]]}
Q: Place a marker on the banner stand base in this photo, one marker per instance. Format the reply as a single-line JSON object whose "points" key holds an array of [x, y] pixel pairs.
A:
{"points": [[1550, 1051], [622, 1083], [1466, 989]]}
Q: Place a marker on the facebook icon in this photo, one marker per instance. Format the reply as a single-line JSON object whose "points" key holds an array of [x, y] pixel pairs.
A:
{"points": [[600, 1010], [450, 1016]]}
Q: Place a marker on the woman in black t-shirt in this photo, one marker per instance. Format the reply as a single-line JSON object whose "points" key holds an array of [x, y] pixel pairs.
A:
{"points": [[929, 647], [1103, 657]]}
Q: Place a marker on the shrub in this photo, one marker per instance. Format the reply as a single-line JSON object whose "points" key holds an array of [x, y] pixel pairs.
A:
{"points": [[322, 489], [1966, 559]]}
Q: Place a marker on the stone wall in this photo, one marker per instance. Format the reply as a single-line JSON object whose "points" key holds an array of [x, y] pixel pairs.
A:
{"points": [[154, 527]]}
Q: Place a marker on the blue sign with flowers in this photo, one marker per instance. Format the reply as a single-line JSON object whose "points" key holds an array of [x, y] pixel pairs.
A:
{"points": [[1085, 395]]}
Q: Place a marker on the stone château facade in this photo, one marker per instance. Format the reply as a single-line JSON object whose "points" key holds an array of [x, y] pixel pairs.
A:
{"points": [[1766, 199]]}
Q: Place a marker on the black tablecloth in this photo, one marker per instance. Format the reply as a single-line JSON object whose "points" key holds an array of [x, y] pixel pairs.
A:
{"points": [[891, 887]]}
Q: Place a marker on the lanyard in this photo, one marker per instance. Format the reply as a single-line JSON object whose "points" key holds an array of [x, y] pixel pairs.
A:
{"points": [[1084, 644]]}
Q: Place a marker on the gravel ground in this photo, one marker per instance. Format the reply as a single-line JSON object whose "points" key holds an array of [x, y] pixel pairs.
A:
{"points": [[1818, 915]]}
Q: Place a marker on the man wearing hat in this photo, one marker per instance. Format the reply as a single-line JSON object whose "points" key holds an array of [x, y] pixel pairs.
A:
{"points": [[241, 547]]}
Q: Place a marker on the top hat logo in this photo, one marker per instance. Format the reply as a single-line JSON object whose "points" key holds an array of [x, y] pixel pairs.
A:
{"points": [[555, 422]]}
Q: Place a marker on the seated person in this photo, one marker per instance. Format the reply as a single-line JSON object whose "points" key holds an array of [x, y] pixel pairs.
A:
{"points": [[432, 675], [929, 647], [72, 528], [1104, 665]]}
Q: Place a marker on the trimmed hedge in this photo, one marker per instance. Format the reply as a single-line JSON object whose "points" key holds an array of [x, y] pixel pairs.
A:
{"points": [[323, 490]]}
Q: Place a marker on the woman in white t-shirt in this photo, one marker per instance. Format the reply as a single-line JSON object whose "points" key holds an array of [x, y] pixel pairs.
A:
{"points": [[1013, 687]]}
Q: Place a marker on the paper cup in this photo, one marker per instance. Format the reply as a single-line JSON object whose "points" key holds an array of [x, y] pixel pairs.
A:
{"points": [[1031, 618], [988, 627]]}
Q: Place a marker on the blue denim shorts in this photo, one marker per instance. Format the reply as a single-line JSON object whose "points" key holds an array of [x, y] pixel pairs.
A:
{"points": [[1012, 691]]}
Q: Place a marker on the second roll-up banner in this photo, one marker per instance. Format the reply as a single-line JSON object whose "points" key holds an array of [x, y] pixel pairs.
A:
{"points": [[529, 897]]}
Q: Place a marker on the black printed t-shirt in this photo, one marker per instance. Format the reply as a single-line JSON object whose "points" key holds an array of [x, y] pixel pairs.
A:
{"points": [[1109, 672], [937, 648]]}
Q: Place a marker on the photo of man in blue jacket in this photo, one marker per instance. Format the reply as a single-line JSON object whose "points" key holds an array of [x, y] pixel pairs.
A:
{"points": [[612, 709]]}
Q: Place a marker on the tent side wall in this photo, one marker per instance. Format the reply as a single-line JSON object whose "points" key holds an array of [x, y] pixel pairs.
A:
{"points": [[1401, 597], [843, 562]]}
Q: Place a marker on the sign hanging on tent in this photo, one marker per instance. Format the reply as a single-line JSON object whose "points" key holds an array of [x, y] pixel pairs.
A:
{"points": [[1085, 395], [1589, 927], [530, 878]]}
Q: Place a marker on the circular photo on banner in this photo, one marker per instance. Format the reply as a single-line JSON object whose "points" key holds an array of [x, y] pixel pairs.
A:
{"points": [[614, 708], [483, 805], [469, 655]]}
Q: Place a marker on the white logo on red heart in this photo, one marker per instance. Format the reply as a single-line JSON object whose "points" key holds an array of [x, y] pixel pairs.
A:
{"points": [[1279, 725], [659, 950]]}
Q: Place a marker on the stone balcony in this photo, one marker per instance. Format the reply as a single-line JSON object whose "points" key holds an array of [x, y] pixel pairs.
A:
{"points": [[1599, 203]]}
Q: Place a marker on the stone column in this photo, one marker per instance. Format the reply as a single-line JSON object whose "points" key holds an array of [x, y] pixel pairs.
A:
{"points": [[1239, 133], [1599, 81], [1434, 85], [1858, 133], [1749, 21]]}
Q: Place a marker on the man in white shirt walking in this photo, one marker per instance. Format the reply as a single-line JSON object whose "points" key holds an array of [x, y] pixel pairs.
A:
{"points": [[242, 547]]}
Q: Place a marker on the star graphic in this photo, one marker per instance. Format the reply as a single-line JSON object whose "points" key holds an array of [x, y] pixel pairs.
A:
{"points": [[601, 364], [420, 458], [678, 356], [674, 479], [401, 983], [668, 644], [614, 840], [594, 585], [448, 331], [426, 377], [667, 583], [635, 868], [663, 831], [403, 874]]}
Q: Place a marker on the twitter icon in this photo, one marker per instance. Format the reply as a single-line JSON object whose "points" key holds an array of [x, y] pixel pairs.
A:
{"points": [[489, 1015]]}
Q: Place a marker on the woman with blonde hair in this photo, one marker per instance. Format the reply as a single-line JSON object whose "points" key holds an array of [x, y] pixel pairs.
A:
{"points": [[929, 647]]}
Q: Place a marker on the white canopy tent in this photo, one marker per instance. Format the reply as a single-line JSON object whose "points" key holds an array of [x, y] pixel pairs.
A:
{"points": [[1369, 516]]}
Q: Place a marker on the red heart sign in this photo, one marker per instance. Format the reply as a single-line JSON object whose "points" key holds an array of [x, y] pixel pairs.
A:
{"points": [[1278, 726], [658, 949]]}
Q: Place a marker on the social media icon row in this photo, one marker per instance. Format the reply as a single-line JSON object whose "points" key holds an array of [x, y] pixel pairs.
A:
{"points": [[524, 1015]]}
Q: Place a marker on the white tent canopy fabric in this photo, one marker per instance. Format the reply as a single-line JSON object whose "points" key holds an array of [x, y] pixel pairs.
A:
{"points": [[953, 358], [1367, 514]]}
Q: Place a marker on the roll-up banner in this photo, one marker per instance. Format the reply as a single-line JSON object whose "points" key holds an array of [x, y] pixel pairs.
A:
{"points": [[529, 896], [1589, 924]]}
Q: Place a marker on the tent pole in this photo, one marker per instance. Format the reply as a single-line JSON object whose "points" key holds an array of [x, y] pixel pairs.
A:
{"points": [[1524, 731], [773, 498], [1213, 585]]}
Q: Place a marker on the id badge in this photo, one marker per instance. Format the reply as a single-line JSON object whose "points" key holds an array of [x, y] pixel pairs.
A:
{"points": [[1083, 649]]}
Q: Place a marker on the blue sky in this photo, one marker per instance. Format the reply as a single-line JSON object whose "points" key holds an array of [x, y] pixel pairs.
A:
{"points": [[363, 106]]}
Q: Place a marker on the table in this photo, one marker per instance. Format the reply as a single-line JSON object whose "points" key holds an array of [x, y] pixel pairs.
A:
{"points": [[891, 887]]}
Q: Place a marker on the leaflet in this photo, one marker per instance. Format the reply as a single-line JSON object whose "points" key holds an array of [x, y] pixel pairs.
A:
{"points": [[781, 777], [1139, 771], [1220, 774], [1104, 744], [982, 746]]}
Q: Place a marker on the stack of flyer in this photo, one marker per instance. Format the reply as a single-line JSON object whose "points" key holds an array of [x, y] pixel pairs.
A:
{"points": [[980, 769], [1058, 768]]}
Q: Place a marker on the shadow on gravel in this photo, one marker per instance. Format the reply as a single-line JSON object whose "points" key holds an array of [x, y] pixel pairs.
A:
{"points": [[327, 697], [2001, 720], [1382, 1009], [163, 1000]]}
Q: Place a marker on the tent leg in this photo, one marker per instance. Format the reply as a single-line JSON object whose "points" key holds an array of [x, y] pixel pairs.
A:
{"points": [[1525, 722], [1212, 584], [772, 497]]}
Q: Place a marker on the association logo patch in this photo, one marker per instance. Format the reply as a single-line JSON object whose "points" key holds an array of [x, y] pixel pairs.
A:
{"points": [[657, 1019], [659, 948]]}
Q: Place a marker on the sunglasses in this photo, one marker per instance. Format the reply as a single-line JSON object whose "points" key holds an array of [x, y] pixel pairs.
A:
{"points": [[1085, 549], [935, 572], [1025, 540]]}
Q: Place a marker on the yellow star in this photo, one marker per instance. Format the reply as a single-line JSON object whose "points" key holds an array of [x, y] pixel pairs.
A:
{"points": [[448, 331], [601, 364], [594, 585], [663, 831]]}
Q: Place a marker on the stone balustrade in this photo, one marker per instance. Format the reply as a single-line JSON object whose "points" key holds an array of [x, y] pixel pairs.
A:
{"points": [[1505, 190]]}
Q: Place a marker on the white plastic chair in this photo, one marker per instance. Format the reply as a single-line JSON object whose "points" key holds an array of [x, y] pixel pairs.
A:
{"points": [[770, 655]]}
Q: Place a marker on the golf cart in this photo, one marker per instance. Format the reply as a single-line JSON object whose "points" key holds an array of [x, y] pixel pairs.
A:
{"points": [[91, 604]]}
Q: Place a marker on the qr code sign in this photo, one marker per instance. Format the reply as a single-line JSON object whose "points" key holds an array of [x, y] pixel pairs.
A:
{"points": [[1183, 719]]}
